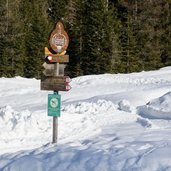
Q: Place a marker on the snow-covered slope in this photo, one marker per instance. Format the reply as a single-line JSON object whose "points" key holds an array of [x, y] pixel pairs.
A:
{"points": [[109, 122]]}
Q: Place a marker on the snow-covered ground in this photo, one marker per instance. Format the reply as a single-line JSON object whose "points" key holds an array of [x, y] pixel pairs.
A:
{"points": [[109, 122]]}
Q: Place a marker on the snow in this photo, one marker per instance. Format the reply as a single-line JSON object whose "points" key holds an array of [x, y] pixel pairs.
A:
{"points": [[109, 122], [159, 108]]}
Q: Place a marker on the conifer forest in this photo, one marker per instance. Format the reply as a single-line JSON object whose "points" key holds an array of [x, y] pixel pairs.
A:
{"points": [[106, 36]]}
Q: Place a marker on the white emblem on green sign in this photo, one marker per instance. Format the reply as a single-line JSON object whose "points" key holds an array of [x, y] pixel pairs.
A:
{"points": [[54, 104]]}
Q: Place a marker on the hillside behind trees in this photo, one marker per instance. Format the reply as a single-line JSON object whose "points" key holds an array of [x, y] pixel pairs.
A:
{"points": [[116, 36]]}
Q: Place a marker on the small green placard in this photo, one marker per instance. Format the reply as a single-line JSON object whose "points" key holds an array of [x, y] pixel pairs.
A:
{"points": [[54, 105]]}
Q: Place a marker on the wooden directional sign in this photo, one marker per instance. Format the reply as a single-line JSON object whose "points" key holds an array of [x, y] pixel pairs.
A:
{"points": [[49, 69], [48, 72], [55, 58], [60, 58], [51, 58], [59, 39], [58, 83]]}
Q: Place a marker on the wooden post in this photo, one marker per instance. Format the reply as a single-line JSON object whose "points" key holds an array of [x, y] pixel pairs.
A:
{"points": [[55, 129], [55, 118]]}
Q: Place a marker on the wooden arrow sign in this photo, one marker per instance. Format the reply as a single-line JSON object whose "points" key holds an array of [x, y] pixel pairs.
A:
{"points": [[48, 72], [48, 66], [60, 58], [49, 69], [58, 83], [55, 58]]}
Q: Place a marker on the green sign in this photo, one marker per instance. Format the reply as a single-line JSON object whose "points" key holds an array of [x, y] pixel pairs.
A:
{"points": [[54, 104]]}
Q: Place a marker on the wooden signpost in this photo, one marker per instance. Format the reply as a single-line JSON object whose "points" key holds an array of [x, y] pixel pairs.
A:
{"points": [[54, 78], [60, 58], [57, 83]]}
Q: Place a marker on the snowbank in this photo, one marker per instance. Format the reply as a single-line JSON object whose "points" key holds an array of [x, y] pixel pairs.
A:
{"points": [[21, 129], [90, 107], [159, 108]]}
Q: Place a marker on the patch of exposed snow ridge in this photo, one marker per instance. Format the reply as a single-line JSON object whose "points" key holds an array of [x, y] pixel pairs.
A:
{"points": [[159, 108], [87, 107]]}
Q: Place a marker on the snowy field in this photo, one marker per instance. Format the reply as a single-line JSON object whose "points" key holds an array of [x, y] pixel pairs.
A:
{"points": [[110, 122]]}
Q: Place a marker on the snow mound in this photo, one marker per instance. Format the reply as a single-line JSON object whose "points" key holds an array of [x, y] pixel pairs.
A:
{"points": [[124, 105], [18, 124], [20, 127], [168, 68], [159, 108], [144, 122], [13, 120], [89, 107]]}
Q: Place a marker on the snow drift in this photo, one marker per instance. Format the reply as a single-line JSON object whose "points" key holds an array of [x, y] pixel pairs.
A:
{"points": [[159, 108]]}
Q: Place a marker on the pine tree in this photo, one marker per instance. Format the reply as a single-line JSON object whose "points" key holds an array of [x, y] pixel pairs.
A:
{"points": [[113, 32], [89, 51], [11, 39], [57, 9], [3, 27], [96, 48], [76, 37], [37, 30], [148, 35], [165, 39], [128, 53]]}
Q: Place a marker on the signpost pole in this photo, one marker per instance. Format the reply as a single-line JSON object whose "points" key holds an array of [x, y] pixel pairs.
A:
{"points": [[55, 118], [55, 129]]}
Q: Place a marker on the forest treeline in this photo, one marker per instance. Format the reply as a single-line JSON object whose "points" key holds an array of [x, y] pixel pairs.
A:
{"points": [[117, 36]]}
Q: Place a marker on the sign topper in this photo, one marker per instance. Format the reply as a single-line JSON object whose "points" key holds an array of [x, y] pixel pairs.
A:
{"points": [[59, 39]]}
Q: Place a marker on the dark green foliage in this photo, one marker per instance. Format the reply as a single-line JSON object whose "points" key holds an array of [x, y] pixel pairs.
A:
{"points": [[57, 9], [106, 36], [36, 29], [92, 37], [165, 38], [74, 28], [11, 59]]}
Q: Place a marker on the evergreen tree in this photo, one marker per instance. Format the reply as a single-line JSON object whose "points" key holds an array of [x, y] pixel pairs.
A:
{"points": [[149, 34], [96, 48], [128, 52], [165, 39], [3, 27], [57, 9], [11, 39], [114, 26], [74, 18], [37, 30]]}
